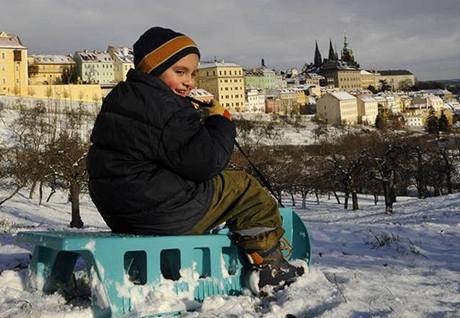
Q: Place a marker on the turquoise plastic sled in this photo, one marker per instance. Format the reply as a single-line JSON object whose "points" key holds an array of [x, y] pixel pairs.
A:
{"points": [[125, 268]]}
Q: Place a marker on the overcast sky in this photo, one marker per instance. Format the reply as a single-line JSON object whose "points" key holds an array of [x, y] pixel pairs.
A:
{"points": [[422, 36]]}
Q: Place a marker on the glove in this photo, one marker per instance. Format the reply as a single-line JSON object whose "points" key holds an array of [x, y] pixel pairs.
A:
{"points": [[217, 109]]}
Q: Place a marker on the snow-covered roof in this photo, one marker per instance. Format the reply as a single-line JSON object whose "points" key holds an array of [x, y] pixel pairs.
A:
{"points": [[367, 98], [341, 95], [94, 56], [10, 41], [52, 59], [217, 64], [122, 54]]}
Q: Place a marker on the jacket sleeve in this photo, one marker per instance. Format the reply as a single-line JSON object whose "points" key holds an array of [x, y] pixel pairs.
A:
{"points": [[193, 149]]}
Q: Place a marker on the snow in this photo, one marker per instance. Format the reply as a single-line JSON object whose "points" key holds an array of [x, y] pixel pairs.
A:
{"points": [[365, 264]]}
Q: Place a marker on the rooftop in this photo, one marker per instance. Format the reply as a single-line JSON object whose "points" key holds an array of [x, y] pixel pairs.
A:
{"points": [[52, 59], [10, 41], [217, 64], [122, 54], [394, 72], [94, 56], [341, 95]]}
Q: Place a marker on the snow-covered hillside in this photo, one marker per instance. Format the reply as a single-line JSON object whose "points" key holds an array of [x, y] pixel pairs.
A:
{"points": [[365, 263]]}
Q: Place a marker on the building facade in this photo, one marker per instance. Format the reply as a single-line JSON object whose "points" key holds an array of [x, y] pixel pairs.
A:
{"points": [[369, 79], [123, 61], [398, 79], [338, 108], [255, 101], [343, 72], [367, 109], [50, 69], [13, 65], [262, 78], [94, 67], [225, 81]]}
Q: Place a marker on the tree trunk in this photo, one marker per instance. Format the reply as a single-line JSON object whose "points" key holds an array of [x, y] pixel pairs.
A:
{"points": [[354, 199], [32, 189], [75, 198], [336, 197], [53, 191], [304, 200], [345, 205], [19, 187], [293, 199], [317, 197], [376, 198], [388, 200], [40, 193]]}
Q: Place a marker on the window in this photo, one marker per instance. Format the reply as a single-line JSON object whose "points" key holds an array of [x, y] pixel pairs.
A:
{"points": [[3, 56]]}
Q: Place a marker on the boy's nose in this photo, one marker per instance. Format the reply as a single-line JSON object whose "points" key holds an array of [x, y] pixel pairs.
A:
{"points": [[188, 81]]}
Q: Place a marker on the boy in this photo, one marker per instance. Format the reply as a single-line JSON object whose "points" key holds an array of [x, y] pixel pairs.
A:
{"points": [[156, 168]]}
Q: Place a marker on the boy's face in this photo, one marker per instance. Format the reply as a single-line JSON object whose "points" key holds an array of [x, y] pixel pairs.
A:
{"points": [[180, 77]]}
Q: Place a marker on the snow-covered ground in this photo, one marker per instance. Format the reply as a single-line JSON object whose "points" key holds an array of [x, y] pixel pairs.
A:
{"points": [[364, 264]]}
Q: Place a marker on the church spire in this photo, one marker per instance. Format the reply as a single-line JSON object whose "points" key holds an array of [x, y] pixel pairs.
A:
{"points": [[318, 58], [332, 55]]}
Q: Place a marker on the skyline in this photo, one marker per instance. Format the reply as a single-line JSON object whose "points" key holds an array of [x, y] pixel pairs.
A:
{"points": [[418, 35]]}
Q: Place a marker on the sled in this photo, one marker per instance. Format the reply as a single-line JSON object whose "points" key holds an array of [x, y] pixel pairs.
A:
{"points": [[122, 267]]}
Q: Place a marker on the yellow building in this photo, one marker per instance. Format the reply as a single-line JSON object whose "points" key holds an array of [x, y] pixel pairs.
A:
{"points": [[13, 65], [50, 69], [338, 108], [369, 79], [225, 81], [398, 79], [123, 61]]}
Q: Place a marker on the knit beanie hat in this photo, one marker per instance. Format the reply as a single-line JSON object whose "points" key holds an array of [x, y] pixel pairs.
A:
{"points": [[159, 48]]}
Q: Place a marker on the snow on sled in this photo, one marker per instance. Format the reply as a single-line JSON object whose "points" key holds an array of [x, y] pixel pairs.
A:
{"points": [[134, 275]]}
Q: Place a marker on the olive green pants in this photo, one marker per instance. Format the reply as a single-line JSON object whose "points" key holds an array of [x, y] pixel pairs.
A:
{"points": [[250, 212]]}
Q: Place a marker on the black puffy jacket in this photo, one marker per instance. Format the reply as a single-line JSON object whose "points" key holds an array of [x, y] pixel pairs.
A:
{"points": [[152, 159]]}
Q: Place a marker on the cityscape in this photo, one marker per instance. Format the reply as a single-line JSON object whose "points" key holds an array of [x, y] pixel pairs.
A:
{"points": [[335, 88]]}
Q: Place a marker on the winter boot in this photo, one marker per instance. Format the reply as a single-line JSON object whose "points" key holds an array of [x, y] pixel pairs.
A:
{"points": [[270, 268]]}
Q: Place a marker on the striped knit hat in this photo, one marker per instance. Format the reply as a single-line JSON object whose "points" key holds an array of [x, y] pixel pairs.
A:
{"points": [[159, 48]]}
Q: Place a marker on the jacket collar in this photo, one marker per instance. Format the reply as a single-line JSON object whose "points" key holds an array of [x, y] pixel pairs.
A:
{"points": [[138, 76], [134, 75]]}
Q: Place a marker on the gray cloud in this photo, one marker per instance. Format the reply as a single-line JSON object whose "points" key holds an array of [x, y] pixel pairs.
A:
{"points": [[420, 35]]}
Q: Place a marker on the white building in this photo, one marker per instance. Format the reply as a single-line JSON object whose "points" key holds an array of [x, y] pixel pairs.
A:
{"points": [[338, 107], [367, 109], [255, 101], [123, 61], [94, 67]]}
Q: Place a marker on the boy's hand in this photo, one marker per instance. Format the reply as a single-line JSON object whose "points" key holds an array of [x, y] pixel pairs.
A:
{"points": [[217, 109]]}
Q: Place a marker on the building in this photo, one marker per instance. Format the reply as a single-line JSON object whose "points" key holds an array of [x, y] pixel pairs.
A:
{"points": [[369, 79], [367, 109], [123, 61], [13, 65], [263, 78], [397, 79], [313, 78], [94, 67], [343, 73], [338, 108], [291, 101], [435, 102], [225, 81], [388, 103], [50, 69], [255, 101]]}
